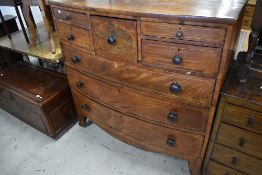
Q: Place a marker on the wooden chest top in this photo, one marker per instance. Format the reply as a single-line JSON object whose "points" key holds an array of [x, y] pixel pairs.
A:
{"points": [[211, 10]]}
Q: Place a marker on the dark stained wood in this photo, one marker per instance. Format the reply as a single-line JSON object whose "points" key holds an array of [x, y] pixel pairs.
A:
{"points": [[237, 126], [155, 135], [124, 33], [244, 163], [216, 11], [38, 97], [162, 54], [134, 77], [134, 103]]}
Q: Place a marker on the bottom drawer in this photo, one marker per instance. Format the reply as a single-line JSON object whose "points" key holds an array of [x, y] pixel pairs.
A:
{"points": [[236, 160], [214, 168], [163, 139]]}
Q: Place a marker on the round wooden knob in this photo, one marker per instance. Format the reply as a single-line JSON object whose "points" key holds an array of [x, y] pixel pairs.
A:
{"points": [[171, 142], [111, 39], [177, 59], [80, 84], [75, 59], [175, 88], [172, 116], [179, 34], [70, 37]]}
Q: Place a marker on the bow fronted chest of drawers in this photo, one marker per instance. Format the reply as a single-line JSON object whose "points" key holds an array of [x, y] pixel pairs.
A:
{"points": [[149, 72], [235, 142]]}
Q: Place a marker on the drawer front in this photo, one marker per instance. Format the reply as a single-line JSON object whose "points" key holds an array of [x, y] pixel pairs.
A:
{"points": [[73, 18], [133, 103], [249, 11], [236, 160], [243, 118], [184, 32], [75, 35], [180, 56], [247, 21], [115, 38], [191, 89], [240, 139], [214, 168], [165, 139]]}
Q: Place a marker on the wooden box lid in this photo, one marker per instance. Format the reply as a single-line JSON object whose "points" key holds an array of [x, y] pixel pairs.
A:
{"points": [[32, 82]]}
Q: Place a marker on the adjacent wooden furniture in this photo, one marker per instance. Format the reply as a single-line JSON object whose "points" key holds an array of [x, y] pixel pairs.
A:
{"points": [[37, 96], [31, 23], [42, 49], [235, 143], [249, 12], [149, 72]]}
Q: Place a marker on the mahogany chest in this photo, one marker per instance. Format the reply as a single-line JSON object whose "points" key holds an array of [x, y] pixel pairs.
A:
{"points": [[149, 72], [235, 142], [39, 97]]}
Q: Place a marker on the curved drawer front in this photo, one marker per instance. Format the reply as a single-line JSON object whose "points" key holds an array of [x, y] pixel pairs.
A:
{"points": [[133, 103], [75, 35], [184, 32], [164, 139], [204, 60], [180, 87]]}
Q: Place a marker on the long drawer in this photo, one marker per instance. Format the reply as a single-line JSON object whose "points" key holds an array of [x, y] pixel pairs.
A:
{"points": [[166, 140], [134, 103], [240, 139], [180, 87], [236, 160], [173, 56]]}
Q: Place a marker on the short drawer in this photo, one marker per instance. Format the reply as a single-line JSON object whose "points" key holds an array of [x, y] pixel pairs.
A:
{"points": [[240, 139], [214, 168], [115, 39], [75, 35], [179, 56], [184, 32], [186, 88], [166, 140], [243, 118], [237, 160], [72, 18], [143, 106]]}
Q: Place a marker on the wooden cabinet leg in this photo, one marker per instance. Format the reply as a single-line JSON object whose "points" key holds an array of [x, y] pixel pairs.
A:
{"points": [[84, 122], [195, 166]]}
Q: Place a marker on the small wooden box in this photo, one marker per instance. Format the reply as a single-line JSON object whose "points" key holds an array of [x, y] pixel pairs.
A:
{"points": [[39, 97]]}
